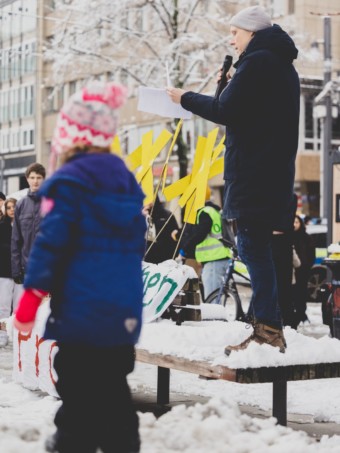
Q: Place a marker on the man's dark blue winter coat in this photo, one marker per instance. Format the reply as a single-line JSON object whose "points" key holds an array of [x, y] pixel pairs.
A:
{"points": [[88, 252], [260, 108]]}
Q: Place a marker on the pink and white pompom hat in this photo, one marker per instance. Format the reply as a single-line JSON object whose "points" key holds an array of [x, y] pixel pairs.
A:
{"points": [[89, 117]]}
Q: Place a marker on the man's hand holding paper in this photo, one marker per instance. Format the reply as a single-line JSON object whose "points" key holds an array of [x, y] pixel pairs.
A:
{"points": [[175, 94]]}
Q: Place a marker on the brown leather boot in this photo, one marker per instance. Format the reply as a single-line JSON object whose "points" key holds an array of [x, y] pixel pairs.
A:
{"points": [[262, 334]]}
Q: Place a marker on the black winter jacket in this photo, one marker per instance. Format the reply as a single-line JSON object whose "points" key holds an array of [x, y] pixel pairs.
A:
{"points": [[305, 250], [164, 247], [25, 228], [260, 108], [5, 247]]}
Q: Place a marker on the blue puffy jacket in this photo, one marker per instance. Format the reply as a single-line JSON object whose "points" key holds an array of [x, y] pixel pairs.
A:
{"points": [[260, 108], [88, 252]]}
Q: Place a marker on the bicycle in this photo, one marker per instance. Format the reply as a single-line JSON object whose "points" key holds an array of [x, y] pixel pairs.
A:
{"points": [[227, 294]]}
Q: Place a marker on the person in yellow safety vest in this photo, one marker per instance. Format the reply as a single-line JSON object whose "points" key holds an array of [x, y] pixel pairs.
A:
{"points": [[209, 249]]}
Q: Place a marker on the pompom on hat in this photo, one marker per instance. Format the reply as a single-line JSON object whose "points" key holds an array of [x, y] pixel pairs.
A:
{"points": [[89, 117], [253, 18]]}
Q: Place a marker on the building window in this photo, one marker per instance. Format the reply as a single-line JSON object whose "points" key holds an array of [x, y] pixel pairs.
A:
{"points": [[4, 142], [16, 103], [15, 142], [28, 63], [31, 137], [27, 139], [4, 106], [49, 100], [72, 87], [291, 6], [27, 100], [5, 65]]}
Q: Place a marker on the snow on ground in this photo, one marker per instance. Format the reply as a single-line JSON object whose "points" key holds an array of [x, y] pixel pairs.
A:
{"points": [[26, 417]]}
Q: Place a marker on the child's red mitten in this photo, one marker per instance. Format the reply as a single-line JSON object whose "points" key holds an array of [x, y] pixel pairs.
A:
{"points": [[27, 309]]}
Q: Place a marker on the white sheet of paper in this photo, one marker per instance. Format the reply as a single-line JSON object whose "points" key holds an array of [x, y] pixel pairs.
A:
{"points": [[157, 101]]}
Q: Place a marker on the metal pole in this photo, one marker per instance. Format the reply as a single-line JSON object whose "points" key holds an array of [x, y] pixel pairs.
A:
{"points": [[280, 401], [327, 188], [163, 385]]}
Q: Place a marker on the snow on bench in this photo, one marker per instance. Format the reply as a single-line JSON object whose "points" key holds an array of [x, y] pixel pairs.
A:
{"points": [[198, 348]]}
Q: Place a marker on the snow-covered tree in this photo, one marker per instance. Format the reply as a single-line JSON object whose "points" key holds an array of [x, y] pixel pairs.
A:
{"points": [[134, 40], [138, 39]]}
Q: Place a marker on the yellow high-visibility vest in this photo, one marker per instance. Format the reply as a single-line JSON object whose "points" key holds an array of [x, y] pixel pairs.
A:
{"points": [[212, 249]]}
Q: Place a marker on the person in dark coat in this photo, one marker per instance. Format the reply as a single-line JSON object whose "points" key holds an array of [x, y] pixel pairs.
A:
{"points": [[88, 255], [163, 246], [282, 249], [305, 249], [260, 109], [26, 221], [9, 290]]}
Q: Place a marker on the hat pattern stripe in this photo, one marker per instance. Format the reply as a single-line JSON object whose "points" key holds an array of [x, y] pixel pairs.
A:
{"points": [[80, 127]]}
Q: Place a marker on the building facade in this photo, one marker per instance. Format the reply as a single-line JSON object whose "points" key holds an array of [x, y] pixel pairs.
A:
{"points": [[20, 90]]}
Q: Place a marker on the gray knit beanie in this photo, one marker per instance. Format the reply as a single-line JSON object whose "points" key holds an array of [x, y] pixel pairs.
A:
{"points": [[253, 18]]}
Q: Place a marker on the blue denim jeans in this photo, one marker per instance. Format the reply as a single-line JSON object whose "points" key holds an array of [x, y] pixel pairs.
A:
{"points": [[212, 275], [254, 244]]}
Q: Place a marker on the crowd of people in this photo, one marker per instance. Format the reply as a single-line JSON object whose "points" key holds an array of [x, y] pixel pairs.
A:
{"points": [[19, 226]]}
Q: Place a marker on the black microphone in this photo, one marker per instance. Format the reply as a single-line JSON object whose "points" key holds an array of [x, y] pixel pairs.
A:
{"points": [[228, 61]]}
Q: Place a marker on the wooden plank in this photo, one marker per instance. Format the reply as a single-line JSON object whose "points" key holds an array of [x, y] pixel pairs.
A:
{"points": [[191, 366], [242, 375]]}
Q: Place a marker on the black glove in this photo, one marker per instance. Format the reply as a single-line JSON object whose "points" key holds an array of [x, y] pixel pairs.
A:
{"points": [[19, 279]]}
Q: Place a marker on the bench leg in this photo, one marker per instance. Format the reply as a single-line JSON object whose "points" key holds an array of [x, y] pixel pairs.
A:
{"points": [[280, 402], [163, 385]]}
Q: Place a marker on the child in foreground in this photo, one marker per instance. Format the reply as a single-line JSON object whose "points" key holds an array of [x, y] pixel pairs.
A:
{"points": [[88, 255]]}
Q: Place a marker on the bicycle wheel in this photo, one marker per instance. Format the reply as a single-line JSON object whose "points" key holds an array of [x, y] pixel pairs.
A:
{"points": [[316, 282], [228, 299]]}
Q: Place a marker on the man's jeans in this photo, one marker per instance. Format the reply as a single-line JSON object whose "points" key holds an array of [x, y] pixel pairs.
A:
{"points": [[254, 244], [212, 275]]}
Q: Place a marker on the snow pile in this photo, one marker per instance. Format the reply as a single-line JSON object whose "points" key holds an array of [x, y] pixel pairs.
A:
{"points": [[219, 426], [26, 419]]}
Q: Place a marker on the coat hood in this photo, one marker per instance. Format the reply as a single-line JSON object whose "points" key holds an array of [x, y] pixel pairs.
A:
{"points": [[112, 194], [276, 40]]}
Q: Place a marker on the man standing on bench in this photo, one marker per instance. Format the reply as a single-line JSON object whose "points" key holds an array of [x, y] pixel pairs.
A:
{"points": [[260, 108]]}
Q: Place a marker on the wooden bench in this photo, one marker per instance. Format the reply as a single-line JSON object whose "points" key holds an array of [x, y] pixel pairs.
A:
{"points": [[278, 376]]}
